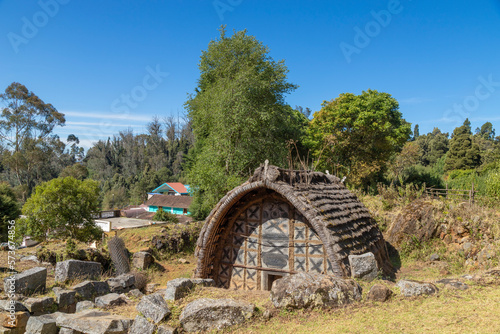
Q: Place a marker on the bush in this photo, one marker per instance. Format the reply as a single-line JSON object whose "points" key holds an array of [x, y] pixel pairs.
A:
{"points": [[164, 216], [177, 238], [63, 208], [9, 209], [395, 195], [463, 179], [493, 184]]}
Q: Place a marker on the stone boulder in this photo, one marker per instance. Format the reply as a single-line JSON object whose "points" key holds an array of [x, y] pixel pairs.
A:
{"points": [[453, 284], [68, 331], [142, 260], [39, 306], [363, 266], [111, 299], [416, 220], [142, 326], [411, 288], [41, 325], [180, 287], [93, 322], [309, 290], [32, 258], [66, 300], [84, 305], [153, 307], [121, 284], [75, 269], [29, 281], [135, 293], [165, 329], [209, 314], [88, 290], [17, 320], [7, 306], [151, 287], [379, 293], [434, 257]]}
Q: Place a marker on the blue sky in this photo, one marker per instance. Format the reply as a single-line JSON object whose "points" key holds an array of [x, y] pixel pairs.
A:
{"points": [[438, 59]]}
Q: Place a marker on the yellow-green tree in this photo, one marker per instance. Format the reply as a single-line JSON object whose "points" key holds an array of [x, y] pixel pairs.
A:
{"points": [[355, 135]]}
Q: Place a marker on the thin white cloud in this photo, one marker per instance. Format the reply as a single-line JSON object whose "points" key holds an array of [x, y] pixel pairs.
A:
{"points": [[124, 116], [82, 124]]}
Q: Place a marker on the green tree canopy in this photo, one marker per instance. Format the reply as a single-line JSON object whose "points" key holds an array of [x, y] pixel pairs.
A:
{"points": [[463, 153], [63, 208], [238, 115], [433, 146], [355, 135], [9, 208]]}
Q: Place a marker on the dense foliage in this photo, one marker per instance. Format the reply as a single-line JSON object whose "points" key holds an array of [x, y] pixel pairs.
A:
{"points": [[463, 153], [238, 115], [355, 135], [164, 216], [128, 166], [9, 209], [62, 208]]}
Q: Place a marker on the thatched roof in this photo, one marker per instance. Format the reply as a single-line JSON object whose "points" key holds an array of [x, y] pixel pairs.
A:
{"points": [[170, 201], [341, 221]]}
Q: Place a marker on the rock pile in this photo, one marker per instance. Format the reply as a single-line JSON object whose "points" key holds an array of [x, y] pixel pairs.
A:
{"points": [[309, 290]]}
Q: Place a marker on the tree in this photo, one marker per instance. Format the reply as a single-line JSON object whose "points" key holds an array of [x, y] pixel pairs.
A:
{"points": [[9, 208], [26, 116], [404, 160], [487, 131], [63, 208], [238, 116], [433, 146], [33, 153], [416, 132], [463, 153], [78, 171], [355, 135]]}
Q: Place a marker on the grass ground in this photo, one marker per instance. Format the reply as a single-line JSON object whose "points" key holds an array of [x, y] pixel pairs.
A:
{"points": [[450, 311], [471, 311]]}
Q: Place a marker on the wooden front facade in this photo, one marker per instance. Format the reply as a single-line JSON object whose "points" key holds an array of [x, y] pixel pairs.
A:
{"points": [[265, 239]]}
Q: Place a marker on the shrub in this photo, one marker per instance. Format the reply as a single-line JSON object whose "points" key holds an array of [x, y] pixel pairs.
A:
{"points": [[70, 246], [463, 179], [177, 238], [63, 208], [164, 216], [493, 184], [9, 208]]}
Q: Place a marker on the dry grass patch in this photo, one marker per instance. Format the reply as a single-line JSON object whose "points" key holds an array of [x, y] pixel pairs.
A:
{"points": [[137, 239], [471, 311]]}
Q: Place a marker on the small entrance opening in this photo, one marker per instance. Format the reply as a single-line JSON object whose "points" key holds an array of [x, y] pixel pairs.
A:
{"points": [[271, 279]]}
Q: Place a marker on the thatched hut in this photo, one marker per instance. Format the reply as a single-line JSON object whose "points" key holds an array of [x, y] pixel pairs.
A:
{"points": [[281, 222]]}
